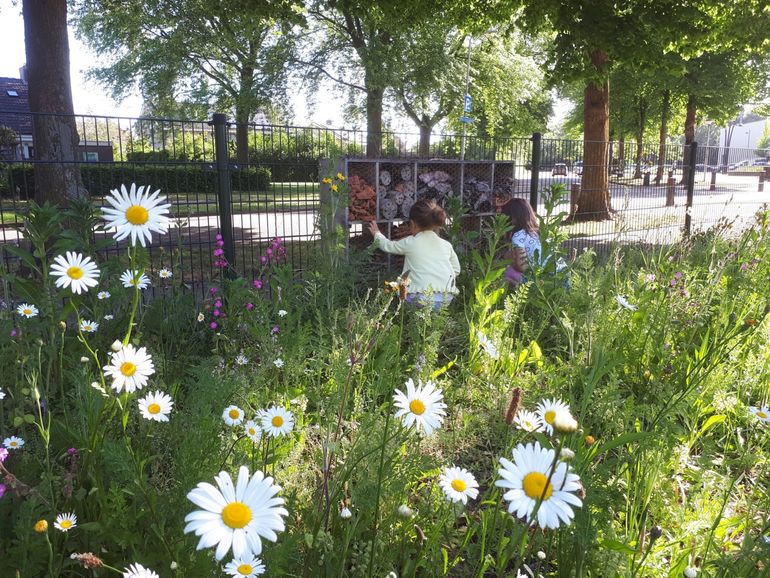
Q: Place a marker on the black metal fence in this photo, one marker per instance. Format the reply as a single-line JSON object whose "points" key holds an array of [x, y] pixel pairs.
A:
{"points": [[275, 191]]}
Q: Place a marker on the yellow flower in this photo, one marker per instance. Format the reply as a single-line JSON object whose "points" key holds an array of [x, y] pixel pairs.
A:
{"points": [[327, 181], [41, 526], [340, 177], [334, 188]]}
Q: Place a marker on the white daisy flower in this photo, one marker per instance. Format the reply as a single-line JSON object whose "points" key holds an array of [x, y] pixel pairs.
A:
{"points": [[109, 317], [690, 572], [2, 393], [139, 571], [458, 484], [131, 279], [65, 522], [241, 359], [165, 273], [421, 406], [345, 513], [88, 326], [129, 368], [529, 479], [252, 431], [282, 313], [487, 345], [237, 515], [277, 421], [623, 302], [528, 421], [246, 567], [156, 406], [103, 295], [200, 317], [761, 413], [27, 310], [278, 363], [75, 271], [233, 415], [13, 443], [547, 410], [136, 213]]}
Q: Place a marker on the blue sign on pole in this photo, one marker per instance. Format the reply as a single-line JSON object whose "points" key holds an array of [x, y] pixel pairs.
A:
{"points": [[467, 103], [466, 119]]}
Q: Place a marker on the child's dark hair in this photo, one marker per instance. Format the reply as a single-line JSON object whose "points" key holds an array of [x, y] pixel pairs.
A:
{"points": [[521, 216], [426, 214]]}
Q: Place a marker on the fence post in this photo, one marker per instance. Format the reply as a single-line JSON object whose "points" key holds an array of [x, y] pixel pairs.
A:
{"points": [[690, 188], [713, 184], [224, 191], [534, 179]]}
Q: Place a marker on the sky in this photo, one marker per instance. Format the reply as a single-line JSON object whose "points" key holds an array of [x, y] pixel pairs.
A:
{"points": [[90, 98]]}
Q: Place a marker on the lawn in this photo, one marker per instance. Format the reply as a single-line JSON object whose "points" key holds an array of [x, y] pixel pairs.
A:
{"points": [[607, 420]]}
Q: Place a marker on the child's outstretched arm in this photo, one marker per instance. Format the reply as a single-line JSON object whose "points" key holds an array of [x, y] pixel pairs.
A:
{"points": [[400, 247]]}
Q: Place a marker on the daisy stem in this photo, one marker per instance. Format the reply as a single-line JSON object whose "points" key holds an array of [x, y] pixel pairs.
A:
{"points": [[137, 291], [50, 554], [379, 488]]}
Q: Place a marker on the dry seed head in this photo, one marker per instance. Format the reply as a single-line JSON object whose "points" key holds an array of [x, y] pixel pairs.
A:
{"points": [[513, 406]]}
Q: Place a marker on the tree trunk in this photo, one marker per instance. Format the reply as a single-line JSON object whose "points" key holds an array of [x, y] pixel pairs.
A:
{"points": [[374, 95], [243, 111], [665, 108], [689, 135], [425, 130], [57, 176], [595, 195], [641, 120]]}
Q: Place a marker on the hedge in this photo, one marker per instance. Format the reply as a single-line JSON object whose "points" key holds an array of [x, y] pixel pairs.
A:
{"points": [[171, 179]]}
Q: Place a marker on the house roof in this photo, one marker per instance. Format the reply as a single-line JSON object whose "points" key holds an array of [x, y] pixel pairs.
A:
{"points": [[14, 110]]}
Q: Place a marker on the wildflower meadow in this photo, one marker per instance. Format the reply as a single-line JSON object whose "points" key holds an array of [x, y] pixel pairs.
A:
{"points": [[609, 419]]}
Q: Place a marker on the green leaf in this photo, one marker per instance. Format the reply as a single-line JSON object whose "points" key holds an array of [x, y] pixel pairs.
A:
{"points": [[622, 440], [29, 418], [25, 256], [17, 421], [617, 546], [710, 422]]}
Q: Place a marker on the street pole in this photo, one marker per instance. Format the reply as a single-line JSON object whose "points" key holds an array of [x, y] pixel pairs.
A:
{"points": [[467, 87]]}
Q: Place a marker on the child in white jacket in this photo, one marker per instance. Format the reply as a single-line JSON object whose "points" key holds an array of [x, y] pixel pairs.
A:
{"points": [[431, 261]]}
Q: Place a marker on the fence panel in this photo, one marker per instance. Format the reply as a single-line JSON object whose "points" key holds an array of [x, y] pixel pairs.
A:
{"points": [[275, 193]]}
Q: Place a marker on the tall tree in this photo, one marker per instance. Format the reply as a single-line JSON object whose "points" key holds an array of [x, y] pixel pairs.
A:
{"points": [[231, 54], [57, 175], [359, 45], [589, 40]]}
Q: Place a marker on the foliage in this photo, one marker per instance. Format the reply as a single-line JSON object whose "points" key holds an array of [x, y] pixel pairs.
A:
{"points": [[172, 179], [658, 353]]}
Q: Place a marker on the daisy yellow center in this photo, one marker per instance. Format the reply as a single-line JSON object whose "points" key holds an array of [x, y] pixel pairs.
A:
{"points": [[252, 431], [234, 414], [66, 524], [74, 272], [245, 569], [87, 327], [536, 486], [277, 421], [417, 407], [14, 444], [236, 515], [459, 485], [28, 312], [762, 414], [128, 369], [153, 408], [550, 415], [137, 215]]}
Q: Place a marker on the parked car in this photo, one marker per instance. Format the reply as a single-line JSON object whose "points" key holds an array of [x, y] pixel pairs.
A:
{"points": [[760, 162], [559, 169], [577, 167]]}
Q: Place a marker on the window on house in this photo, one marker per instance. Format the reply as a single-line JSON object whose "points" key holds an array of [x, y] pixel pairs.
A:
{"points": [[91, 157], [12, 93]]}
